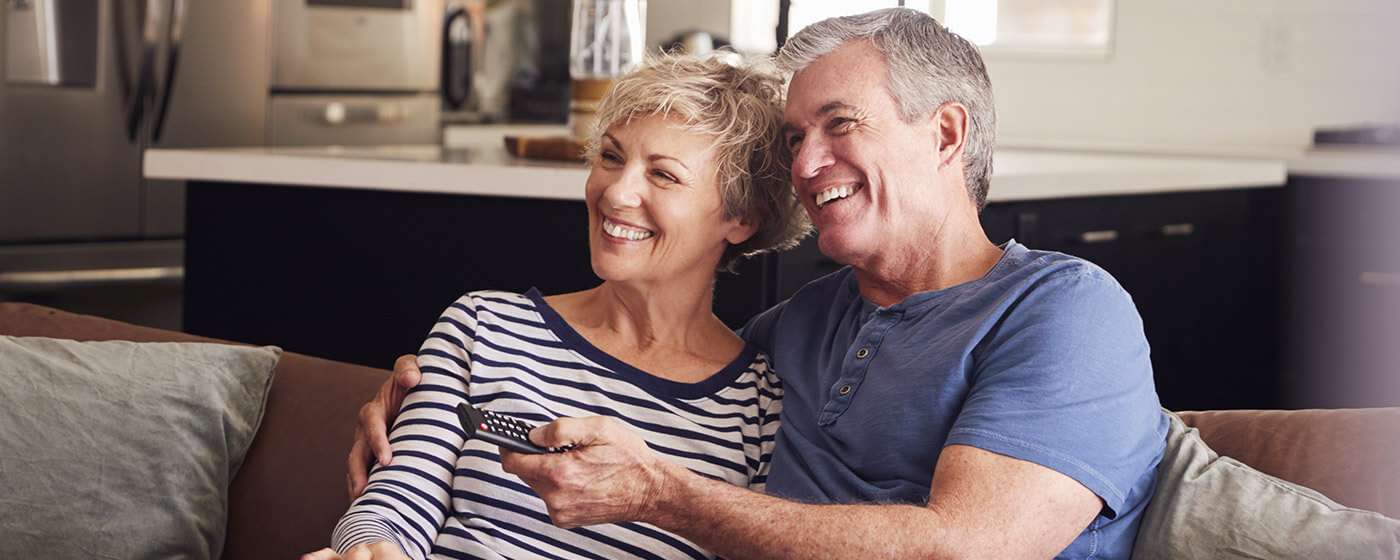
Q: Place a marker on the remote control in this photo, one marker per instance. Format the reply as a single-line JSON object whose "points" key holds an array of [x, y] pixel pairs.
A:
{"points": [[501, 430]]}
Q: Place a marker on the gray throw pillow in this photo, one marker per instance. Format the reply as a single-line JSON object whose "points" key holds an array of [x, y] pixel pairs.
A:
{"points": [[120, 449], [1209, 506]]}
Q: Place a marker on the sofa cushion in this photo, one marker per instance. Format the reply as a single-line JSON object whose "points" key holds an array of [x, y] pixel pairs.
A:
{"points": [[1350, 455], [1210, 506], [123, 450]]}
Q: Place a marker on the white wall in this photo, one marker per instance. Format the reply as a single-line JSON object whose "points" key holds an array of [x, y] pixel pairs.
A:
{"points": [[1212, 76]]}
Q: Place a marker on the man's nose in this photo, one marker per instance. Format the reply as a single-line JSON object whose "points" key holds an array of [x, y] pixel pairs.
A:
{"points": [[812, 156]]}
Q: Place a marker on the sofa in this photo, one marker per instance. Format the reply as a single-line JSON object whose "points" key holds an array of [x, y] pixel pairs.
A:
{"points": [[291, 489]]}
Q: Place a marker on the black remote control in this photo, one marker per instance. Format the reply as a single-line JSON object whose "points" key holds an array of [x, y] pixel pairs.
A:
{"points": [[501, 430]]}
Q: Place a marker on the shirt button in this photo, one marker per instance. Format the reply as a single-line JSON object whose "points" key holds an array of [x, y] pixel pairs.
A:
{"points": [[845, 389], [862, 353]]}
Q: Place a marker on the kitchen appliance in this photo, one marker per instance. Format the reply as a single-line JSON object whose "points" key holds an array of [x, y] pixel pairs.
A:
{"points": [[88, 85], [355, 72], [484, 47]]}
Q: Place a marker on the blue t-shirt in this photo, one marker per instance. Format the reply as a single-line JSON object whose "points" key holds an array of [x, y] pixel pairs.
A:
{"points": [[1042, 359]]}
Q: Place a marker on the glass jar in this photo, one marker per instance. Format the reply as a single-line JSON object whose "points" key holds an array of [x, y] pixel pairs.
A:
{"points": [[608, 40]]}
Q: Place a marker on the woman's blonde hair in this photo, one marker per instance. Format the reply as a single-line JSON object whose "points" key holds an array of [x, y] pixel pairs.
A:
{"points": [[741, 105]]}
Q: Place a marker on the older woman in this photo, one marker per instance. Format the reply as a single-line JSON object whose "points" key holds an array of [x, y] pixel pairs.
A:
{"points": [[686, 178]]}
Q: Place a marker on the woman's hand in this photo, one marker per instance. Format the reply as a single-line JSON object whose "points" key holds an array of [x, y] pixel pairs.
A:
{"points": [[382, 550], [372, 434]]}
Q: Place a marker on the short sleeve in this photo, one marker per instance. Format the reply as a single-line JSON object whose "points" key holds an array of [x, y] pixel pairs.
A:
{"points": [[1065, 381], [770, 408]]}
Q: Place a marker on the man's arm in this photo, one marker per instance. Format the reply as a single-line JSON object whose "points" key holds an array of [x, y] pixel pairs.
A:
{"points": [[981, 505], [372, 433]]}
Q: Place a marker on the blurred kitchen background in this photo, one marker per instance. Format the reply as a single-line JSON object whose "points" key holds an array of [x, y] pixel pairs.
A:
{"points": [[323, 174]]}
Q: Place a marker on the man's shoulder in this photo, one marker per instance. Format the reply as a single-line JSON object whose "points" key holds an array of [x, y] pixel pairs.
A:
{"points": [[812, 300], [1038, 273]]}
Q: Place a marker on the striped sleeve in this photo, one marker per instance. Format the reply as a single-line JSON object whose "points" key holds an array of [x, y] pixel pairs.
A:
{"points": [[408, 501], [770, 408]]}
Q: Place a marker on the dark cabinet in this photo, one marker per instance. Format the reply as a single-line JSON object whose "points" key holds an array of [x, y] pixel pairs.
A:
{"points": [[1203, 268], [361, 275]]}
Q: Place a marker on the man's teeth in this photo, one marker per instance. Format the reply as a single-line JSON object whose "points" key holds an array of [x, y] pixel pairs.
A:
{"points": [[624, 232], [834, 193]]}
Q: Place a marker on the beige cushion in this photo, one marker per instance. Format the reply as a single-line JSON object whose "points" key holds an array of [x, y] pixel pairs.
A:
{"points": [[1351, 455], [120, 449], [1210, 506]]}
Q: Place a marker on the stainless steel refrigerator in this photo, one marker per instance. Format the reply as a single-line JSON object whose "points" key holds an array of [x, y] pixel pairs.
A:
{"points": [[88, 85]]}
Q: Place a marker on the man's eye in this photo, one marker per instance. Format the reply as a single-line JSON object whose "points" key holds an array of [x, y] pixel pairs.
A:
{"points": [[841, 124]]}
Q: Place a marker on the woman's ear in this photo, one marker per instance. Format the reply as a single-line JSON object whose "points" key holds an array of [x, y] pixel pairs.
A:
{"points": [[740, 232]]}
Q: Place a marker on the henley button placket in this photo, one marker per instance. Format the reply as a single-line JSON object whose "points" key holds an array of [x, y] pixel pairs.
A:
{"points": [[857, 363]]}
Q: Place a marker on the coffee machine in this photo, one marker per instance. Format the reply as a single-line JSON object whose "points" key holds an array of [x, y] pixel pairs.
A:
{"points": [[505, 60]]}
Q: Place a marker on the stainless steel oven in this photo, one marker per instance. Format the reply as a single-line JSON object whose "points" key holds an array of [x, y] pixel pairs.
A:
{"points": [[364, 45]]}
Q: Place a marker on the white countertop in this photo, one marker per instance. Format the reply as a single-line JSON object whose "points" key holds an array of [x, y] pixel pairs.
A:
{"points": [[476, 163]]}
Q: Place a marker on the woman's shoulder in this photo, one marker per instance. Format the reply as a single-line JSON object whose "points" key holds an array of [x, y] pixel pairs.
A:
{"points": [[760, 367]]}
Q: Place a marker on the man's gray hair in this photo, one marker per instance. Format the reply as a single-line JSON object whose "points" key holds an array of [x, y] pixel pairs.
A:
{"points": [[928, 66]]}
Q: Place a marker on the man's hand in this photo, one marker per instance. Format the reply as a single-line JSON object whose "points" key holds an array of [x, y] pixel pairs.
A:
{"points": [[381, 550], [610, 476], [372, 434]]}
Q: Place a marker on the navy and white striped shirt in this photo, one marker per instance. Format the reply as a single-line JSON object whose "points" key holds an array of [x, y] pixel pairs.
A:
{"points": [[445, 496]]}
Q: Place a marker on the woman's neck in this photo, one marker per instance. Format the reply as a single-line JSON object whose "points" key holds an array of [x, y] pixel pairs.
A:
{"points": [[647, 317]]}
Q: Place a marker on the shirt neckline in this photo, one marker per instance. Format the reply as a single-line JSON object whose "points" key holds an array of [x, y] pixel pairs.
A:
{"points": [[1009, 251], [650, 383]]}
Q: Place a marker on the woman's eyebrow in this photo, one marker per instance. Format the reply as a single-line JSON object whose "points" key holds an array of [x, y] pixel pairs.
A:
{"points": [[609, 136], [654, 157]]}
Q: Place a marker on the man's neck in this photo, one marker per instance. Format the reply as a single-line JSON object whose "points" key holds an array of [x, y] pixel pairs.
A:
{"points": [[942, 264]]}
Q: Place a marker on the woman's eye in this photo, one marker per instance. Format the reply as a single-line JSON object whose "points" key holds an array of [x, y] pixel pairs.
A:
{"points": [[664, 176], [611, 157], [794, 140]]}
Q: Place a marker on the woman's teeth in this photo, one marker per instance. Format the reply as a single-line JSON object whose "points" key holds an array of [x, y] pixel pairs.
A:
{"points": [[834, 193], [624, 232]]}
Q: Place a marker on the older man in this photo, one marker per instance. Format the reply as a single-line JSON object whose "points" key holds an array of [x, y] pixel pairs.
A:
{"points": [[943, 396]]}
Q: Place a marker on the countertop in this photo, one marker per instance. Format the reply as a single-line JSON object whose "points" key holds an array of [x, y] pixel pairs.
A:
{"points": [[474, 162]]}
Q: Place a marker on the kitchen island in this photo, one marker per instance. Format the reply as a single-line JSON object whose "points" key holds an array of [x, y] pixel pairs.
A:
{"points": [[350, 253]]}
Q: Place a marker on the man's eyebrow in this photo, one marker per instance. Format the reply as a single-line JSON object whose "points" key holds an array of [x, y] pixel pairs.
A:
{"points": [[830, 107], [834, 106], [609, 136]]}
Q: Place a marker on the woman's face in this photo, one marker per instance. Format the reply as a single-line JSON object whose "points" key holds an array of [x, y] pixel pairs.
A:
{"points": [[654, 209]]}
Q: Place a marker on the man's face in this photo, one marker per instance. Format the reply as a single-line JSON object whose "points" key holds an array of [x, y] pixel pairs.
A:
{"points": [[868, 179]]}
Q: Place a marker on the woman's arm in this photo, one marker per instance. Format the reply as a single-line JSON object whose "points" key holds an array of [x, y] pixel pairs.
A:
{"points": [[408, 501]]}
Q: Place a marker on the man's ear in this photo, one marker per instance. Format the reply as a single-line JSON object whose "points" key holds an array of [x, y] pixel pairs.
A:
{"points": [[741, 232], [951, 123]]}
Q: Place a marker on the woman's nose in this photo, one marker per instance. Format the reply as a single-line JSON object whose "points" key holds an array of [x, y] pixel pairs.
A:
{"points": [[626, 191], [812, 156]]}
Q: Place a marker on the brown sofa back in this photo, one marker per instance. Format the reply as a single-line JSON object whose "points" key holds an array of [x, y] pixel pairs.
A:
{"points": [[1350, 455], [290, 490]]}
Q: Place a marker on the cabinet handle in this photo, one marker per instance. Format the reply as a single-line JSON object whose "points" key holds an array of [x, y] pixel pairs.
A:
{"points": [[1178, 230], [1099, 236], [1381, 279]]}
